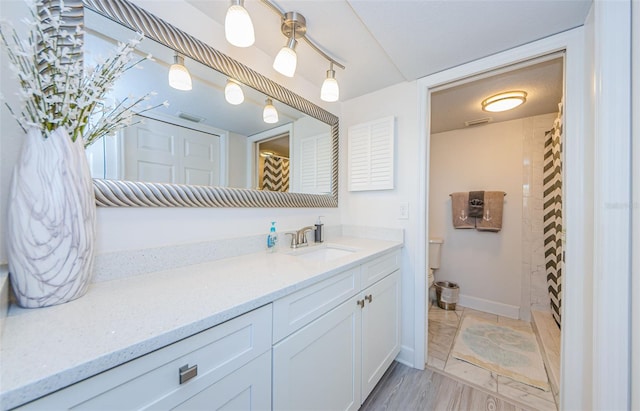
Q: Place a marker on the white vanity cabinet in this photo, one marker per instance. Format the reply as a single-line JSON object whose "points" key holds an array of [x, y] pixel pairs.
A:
{"points": [[225, 367], [335, 357]]}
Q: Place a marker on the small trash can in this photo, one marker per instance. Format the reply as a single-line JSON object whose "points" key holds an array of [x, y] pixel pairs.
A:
{"points": [[447, 294]]}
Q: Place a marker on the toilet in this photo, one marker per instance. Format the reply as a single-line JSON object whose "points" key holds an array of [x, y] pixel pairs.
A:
{"points": [[435, 245]]}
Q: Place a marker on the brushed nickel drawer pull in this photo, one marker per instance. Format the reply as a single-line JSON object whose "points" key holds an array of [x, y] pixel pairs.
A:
{"points": [[360, 303], [369, 297], [187, 373]]}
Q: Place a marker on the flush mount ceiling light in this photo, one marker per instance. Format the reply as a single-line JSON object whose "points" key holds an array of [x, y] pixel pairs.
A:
{"points": [[269, 114], [233, 92], [293, 27], [238, 28], [179, 77], [504, 101]]}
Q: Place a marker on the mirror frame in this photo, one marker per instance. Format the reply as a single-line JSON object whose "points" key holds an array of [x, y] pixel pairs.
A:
{"points": [[118, 193]]}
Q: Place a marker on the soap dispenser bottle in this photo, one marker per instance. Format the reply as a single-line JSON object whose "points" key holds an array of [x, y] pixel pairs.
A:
{"points": [[319, 234], [272, 238]]}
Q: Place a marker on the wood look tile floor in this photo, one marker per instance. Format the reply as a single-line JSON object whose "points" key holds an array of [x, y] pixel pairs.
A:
{"points": [[451, 384], [405, 389]]}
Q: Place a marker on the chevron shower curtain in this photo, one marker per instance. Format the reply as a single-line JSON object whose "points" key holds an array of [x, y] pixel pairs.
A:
{"points": [[553, 250], [275, 175]]}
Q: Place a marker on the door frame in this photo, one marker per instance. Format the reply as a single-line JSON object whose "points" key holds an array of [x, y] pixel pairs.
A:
{"points": [[577, 297]]}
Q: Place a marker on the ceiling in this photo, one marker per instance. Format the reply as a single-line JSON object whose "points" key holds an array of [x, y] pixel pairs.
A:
{"points": [[541, 79], [385, 42]]}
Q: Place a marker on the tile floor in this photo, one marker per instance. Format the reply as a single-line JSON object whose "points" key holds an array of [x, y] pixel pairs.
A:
{"points": [[443, 327]]}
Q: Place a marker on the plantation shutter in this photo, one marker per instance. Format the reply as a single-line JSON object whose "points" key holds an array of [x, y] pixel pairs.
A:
{"points": [[370, 155], [315, 164]]}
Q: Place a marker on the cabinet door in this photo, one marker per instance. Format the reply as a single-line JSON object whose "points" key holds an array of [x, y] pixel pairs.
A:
{"points": [[318, 367], [380, 330]]}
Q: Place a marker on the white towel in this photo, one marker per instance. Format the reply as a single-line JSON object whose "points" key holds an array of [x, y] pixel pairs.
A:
{"points": [[492, 218], [460, 211]]}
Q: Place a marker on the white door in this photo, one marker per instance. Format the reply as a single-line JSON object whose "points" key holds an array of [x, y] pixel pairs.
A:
{"points": [[160, 152], [318, 367], [380, 329]]}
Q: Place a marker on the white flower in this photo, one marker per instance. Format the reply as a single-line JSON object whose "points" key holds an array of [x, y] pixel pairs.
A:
{"points": [[63, 93]]}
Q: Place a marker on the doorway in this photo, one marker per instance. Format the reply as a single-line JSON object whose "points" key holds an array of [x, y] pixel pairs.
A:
{"points": [[572, 378], [503, 261], [273, 163]]}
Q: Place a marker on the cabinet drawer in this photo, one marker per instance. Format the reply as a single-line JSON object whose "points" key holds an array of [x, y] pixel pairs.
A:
{"points": [[248, 388], [380, 267], [144, 382], [300, 308]]}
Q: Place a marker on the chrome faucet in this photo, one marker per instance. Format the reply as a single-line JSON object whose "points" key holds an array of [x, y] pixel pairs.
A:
{"points": [[299, 238]]}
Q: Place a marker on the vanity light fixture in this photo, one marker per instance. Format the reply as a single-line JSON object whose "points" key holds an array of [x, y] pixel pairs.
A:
{"points": [[504, 101], [293, 27], [270, 114], [238, 28], [179, 77], [330, 90], [286, 61], [233, 92]]}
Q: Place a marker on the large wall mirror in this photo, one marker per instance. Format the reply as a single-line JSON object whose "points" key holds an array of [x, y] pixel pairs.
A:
{"points": [[200, 150]]}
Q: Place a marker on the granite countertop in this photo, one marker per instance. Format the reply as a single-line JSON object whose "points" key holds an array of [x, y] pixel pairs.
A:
{"points": [[45, 349]]}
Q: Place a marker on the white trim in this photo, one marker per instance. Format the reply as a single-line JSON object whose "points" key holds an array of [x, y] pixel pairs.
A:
{"points": [[488, 306], [421, 337], [635, 242], [576, 298], [612, 211], [405, 356]]}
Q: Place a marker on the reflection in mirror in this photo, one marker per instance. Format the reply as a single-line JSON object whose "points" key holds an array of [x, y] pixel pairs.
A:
{"points": [[200, 138]]}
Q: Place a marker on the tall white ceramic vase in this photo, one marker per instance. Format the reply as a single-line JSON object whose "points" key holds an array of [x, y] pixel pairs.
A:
{"points": [[51, 221]]}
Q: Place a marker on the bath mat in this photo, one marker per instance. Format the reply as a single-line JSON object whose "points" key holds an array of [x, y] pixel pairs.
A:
{"points": [[501, 349]]}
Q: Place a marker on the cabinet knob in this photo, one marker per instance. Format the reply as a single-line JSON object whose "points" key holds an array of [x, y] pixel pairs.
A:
{"points": [[360, 303], [369, 297], [186, 373]]}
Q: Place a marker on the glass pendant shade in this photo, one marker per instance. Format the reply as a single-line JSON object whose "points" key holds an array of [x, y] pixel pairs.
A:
{"points": [[330, 90], [233, 93], [238, 28], [179, 77], [287, 59], [270, 114]]}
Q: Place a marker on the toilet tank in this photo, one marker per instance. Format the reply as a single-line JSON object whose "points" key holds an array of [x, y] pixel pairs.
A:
{"points": [[435, 245]]}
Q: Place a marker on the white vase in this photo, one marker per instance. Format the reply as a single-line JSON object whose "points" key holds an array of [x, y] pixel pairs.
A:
{"points": [[51, 221]]}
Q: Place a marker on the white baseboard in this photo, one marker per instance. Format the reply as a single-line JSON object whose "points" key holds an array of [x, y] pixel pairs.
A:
{"points": [[406, 357], [480, 304]]}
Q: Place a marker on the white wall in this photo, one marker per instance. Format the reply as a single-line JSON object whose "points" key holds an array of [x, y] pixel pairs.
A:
{"points": [[11, 135], [381, 208], [611, 125], [237, 160], [486, 265]]}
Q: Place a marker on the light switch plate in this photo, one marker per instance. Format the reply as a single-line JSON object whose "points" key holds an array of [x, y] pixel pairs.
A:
{"points": [[404, 211]]}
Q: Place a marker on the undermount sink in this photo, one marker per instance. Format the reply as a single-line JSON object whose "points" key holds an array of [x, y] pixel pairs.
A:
{"points": [[324, 253]]}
